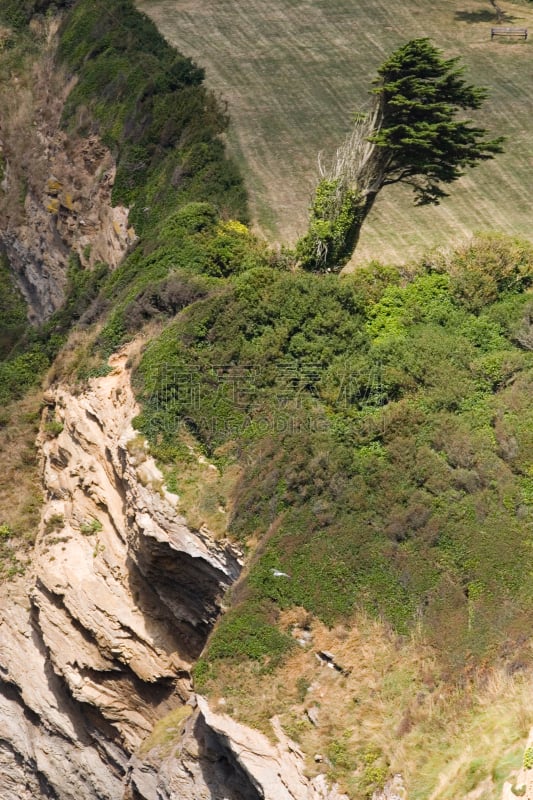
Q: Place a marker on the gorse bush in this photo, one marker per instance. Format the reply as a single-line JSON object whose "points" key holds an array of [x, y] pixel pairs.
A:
{"points": [[487, 268]]}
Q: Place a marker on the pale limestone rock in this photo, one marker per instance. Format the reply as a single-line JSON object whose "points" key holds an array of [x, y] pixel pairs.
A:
{"points": [[275, 771], [91, 654], [394, 789], [96, 645], [323, 791], [45, 739], [217, 758]]}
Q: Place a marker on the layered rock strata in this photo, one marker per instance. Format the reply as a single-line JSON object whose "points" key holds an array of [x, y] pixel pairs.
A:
{"points": [[217, 758], [97, 643]]}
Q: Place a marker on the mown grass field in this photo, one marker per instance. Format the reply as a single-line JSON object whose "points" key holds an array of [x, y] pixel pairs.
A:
{"points": [[293, 72]]}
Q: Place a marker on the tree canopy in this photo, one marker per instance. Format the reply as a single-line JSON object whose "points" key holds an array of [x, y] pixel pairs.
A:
{"points": [[412, 135], [420, 141]]}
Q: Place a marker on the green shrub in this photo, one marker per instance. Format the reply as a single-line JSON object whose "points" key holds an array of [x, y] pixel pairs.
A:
{"points": [[372, 459], [338, 752], [53, 427], [17, 13], [330, 239], [189, 219], [5, 531], [247, 632], [490, 266], [13, 321], [55, 522], [91, 526], [22, 372]]}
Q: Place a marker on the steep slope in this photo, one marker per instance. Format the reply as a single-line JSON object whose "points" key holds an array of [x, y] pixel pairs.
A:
{"points": [[55, 195], [101, 628], [382, 426], [96, 643], [109, 551], [293, 74], [366, 441]]}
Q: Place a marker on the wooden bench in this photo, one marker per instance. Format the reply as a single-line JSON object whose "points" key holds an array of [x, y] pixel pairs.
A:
{"points": [[522, 32]]}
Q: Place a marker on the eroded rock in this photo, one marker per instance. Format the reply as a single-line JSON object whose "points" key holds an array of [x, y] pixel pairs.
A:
{"points": [[97, 644], [216, 757], [55, 195]]}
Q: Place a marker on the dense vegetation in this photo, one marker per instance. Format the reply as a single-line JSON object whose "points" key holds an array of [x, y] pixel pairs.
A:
{"points": [[379, 420], [384, 433], [187, 199], [18, 13], [12, 312], [151, 108], [377, 427]]}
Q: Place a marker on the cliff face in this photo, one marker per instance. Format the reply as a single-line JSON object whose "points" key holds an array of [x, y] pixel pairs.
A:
{"points": [[55, 190], [216, 757], [98, 642], [98, 638], [96, 645]]}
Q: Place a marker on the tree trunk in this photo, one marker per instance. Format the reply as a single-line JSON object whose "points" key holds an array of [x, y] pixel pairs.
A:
{"points": [[361, 209], [500, 15]]}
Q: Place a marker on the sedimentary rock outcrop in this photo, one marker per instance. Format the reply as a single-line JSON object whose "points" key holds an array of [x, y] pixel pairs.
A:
{"points": [[216, 757], [55, 188], [97, 643]]}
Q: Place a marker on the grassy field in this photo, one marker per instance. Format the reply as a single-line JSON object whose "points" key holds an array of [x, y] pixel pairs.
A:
{"points": [[293, 72]]}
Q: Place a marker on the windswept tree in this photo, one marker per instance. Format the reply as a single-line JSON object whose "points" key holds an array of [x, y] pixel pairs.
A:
{"points": [[411, 135]]}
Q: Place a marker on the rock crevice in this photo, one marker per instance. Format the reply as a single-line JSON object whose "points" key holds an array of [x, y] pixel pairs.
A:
{"points": [[97, 643]]}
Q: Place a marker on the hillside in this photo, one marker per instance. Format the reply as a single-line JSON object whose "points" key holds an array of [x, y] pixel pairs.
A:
{"points": [[272, 538], [293, 72]]}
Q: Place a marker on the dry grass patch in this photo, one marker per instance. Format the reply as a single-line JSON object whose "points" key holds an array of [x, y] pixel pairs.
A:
{"points": [[389, 711], [167, 731], [203, 488], [77, 358], [20, 492]]}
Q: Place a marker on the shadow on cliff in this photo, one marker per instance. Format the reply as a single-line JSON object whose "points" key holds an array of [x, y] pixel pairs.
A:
{"points": [[222, 774], [157, 588], [182, 590]]}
